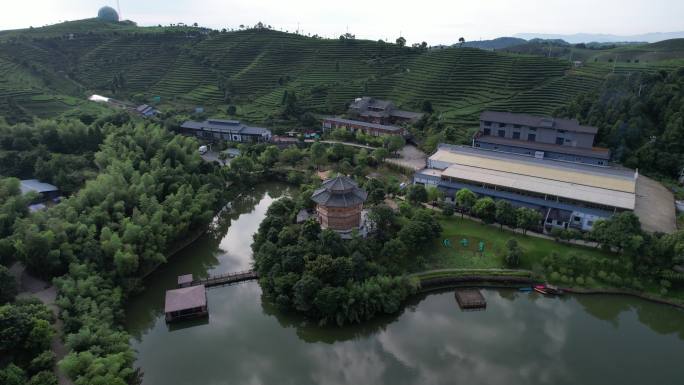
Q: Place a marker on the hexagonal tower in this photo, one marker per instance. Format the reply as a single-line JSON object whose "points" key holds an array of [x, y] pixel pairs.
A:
{"points": [[339, 203]]}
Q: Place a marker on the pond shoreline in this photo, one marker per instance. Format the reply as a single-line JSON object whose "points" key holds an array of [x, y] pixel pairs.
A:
{"points": [[251, 339], [625, 292], [516, 281], [180, 244]]}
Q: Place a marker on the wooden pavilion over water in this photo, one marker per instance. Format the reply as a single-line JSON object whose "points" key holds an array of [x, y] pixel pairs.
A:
{"points": [[186, 302]]}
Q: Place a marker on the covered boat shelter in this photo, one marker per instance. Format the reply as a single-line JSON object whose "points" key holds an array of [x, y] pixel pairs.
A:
{"points": [[186, 302]]}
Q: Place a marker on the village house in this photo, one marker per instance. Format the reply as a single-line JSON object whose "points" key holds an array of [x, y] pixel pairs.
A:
{"points": [[146, 110], [380, 111], [354, 126], [47, 193], [228, 130]]}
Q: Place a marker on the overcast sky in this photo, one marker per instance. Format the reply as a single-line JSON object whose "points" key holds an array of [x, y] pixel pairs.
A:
{"points": [[434, 21]]}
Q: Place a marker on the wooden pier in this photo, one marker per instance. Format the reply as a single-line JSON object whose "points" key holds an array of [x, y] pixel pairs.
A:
{"points": [[469, 299], [222, 279]]}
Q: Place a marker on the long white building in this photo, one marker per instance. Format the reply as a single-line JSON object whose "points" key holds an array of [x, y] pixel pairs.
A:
{"points": [[568, 195]]}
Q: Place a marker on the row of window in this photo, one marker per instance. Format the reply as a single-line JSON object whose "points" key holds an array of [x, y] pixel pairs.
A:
{"points": [[579, 219], [516, 134], [530, 137], [502, 125]]}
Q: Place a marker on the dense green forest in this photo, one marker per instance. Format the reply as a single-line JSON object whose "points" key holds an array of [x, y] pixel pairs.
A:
{"points": [[25, 324], [151, 190], [640, 117], [25, 334], [60, 152]]}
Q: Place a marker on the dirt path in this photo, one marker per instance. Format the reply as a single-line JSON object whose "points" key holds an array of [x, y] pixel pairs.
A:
{"points": [[350, 144], [30, 286]]}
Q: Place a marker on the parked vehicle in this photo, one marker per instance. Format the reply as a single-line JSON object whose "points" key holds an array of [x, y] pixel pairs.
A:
{"points": [[203, 150]]}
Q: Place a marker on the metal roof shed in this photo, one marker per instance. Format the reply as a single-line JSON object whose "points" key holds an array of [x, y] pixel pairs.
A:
{"points": [[28, 185], [186, 302]]}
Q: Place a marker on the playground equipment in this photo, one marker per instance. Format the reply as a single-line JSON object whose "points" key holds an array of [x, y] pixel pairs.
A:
{"points": [[481, 247], [446, 243]]}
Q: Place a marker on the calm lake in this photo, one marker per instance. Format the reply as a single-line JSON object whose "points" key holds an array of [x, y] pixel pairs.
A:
{"points": [[522, 338]]}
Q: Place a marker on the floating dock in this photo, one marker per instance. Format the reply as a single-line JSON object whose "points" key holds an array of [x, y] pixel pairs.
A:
{"points": [[469, 299]]}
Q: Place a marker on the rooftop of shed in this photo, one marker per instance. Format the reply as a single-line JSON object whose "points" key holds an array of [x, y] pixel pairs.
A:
{"points": [[185, 298], [37, 186]]}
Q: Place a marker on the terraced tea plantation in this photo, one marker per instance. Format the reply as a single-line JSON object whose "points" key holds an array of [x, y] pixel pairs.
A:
{"points": [[252, 69]]}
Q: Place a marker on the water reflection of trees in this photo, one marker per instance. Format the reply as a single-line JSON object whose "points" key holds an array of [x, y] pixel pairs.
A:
{"points": [[660, 318], [200, 257], [310, 332]]}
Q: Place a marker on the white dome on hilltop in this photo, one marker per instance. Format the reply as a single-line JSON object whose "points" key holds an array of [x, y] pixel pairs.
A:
{"points": [[107, 14]]}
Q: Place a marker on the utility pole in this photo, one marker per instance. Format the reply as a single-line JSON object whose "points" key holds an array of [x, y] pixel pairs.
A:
{"points": [[118, 9]]}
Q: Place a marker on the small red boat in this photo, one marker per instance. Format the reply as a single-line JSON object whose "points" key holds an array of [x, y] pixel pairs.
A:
{"points": [[548, 289], [540, 289]]}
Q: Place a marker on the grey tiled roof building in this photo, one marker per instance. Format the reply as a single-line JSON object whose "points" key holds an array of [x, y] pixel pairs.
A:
{"points": [[339, 192], [339, 203]]}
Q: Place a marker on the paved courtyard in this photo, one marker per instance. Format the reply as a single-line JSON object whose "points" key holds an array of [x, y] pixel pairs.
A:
{"points": [[410, 157], [655, 206]]}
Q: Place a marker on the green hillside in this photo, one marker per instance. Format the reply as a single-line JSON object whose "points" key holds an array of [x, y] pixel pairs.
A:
{"points": [[649, 55], [252, 69]]}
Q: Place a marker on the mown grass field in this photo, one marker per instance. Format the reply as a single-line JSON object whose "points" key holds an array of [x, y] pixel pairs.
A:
{"points": [[455, 229]]}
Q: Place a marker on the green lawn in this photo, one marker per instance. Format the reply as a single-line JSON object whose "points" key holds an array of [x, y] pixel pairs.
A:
{"points": [[457, 256]]}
